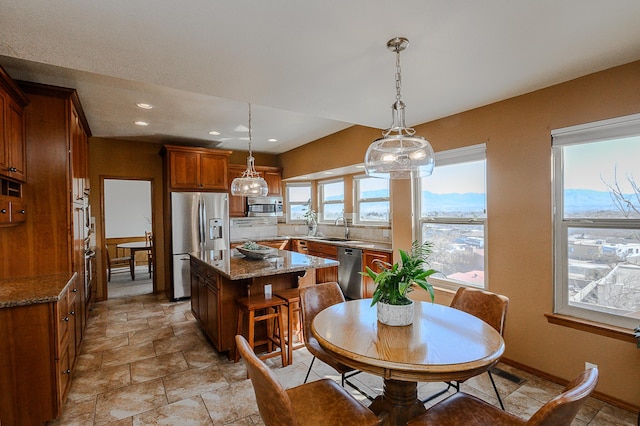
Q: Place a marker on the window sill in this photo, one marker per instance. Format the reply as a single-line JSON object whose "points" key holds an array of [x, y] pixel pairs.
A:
{"points": [[599, 328]]}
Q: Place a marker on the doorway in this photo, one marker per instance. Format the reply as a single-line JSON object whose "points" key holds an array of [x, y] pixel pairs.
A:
{"points": [[128, 225]]}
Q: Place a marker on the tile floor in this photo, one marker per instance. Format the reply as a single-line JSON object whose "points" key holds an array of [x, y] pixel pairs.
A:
{"points": [[144, 361]]}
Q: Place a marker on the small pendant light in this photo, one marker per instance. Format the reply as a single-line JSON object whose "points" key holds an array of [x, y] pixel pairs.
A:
{"points": [[250, 184], [399, 153]]}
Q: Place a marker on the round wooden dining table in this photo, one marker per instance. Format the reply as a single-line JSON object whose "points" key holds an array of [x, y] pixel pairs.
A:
{"points": [[442, 344], [134, 247]]}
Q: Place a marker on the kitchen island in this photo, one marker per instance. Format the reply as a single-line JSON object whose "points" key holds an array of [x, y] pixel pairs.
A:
{"points": [[218, 278]]}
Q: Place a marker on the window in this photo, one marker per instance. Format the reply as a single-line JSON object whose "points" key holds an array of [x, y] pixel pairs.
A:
{"points": [[597, 221], [331, 199], [298, 199], [371, 200], [451, 206]]}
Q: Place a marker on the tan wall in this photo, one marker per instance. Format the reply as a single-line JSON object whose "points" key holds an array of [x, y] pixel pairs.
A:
{"points": [[111, 158], [519, 241]]}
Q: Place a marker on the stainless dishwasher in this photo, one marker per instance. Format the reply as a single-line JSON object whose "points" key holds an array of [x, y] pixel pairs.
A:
{"points": [[349, 269]]}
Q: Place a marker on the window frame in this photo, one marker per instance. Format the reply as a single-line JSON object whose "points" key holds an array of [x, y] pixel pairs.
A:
{"points": [[322, 202], [454, 156], [610, 129], [289, 203], [357, 200]]}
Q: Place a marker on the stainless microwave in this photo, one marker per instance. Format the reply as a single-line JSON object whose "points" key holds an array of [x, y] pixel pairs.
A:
{"points": [[264, 206]]}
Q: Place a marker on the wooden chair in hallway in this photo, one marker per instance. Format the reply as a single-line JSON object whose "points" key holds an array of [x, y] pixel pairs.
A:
{"points": [[321, 402], [116, 262], [148, 236], [463, 409]]}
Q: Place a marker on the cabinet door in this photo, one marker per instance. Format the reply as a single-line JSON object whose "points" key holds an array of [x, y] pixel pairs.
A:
{"points": [[184, 170], [202, 301], [369, 259], [18, 212], [237, 204], [213, 172], [195, 290], [16, 144], [274, 182], [213, 316]]}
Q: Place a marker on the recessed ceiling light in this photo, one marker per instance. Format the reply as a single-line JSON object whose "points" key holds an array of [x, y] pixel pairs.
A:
{"points": [[272, 140], [140, 123], [328, 173], [360, 166], [144, 105], [214, 133]]}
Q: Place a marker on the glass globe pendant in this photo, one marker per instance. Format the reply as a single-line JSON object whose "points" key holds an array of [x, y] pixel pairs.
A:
{"points": [[250, 184], [399, 153]]}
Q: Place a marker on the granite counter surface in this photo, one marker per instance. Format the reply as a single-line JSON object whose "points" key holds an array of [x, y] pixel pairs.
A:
{"points": [[32, 290], [367, 245], [235, 266]]}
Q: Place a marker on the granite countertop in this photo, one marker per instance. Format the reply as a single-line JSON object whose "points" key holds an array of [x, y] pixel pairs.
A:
{"points": [[32, 290], [235, 266], [372, 245]]}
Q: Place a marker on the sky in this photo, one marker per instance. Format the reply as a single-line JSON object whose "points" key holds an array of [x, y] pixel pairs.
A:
{"points": [[586, 163]]}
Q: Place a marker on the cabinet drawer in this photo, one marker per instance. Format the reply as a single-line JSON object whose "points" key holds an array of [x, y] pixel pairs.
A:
{"points": [[62, 316], [322, 250], [5, 212], [211, 279], [18, 212], [64, 374]]}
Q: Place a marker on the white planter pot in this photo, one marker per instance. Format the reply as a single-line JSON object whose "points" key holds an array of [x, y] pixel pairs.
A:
{"points": [[395, 315]]}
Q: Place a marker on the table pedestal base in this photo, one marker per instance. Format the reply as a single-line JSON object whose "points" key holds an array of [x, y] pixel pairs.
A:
{"points": [[398, 403]]}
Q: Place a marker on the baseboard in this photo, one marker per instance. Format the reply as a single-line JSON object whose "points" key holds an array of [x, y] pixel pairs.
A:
{"points": [[597, 395]]}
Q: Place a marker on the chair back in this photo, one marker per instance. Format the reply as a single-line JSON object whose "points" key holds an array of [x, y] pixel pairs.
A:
{"points": [[314, 299], [562, 409], [148, 237], [273, 401], [489, 307]]}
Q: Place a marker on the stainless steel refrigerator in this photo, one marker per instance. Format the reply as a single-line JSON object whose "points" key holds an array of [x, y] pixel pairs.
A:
{"points": [[199, 222]]}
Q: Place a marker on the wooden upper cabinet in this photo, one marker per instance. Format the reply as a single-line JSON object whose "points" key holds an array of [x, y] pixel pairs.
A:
{"points": [[12, 129], [273, 178], [197, 168], [237, 204]]}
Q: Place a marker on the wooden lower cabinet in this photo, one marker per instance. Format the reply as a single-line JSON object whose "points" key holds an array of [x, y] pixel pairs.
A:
{"points": [[38, 350], [369, 258], [206, 303], [319, 249]]}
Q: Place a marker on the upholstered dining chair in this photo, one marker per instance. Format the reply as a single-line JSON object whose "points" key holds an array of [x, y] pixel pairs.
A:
{"points": [[489, 307], [116, 262], [314, 299], [322, 402], [463, 409]]}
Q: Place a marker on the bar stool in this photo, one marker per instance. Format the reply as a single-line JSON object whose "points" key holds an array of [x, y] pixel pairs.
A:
{"points": [[291, 296], [270, 309]]}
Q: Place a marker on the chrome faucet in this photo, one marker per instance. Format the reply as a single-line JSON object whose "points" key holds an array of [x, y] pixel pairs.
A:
{"points": [[346, 228]]}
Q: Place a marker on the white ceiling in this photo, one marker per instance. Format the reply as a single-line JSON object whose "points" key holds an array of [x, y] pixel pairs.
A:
{"points": [[309, 68]]}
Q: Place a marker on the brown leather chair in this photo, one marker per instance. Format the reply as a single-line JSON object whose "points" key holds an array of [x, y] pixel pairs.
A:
{"points": [[490, 308], [322, 402], [116, 262], [464, 409], [314, 299]]}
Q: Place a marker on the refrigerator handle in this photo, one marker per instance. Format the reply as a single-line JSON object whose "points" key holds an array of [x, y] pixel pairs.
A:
{"points": [[201, 221]]}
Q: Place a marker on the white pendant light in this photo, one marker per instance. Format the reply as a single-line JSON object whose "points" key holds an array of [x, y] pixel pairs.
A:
{"points": [[399, 153], [250, 184]]}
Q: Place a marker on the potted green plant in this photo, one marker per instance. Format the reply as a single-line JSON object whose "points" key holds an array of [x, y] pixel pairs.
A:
{"points": [[311, 217], [636, 334], [394, 282]]}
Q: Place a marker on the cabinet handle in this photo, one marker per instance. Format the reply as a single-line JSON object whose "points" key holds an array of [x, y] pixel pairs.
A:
{"points": [[22, 211], [67, 371], [3, 211], [13, 169], [72, 312], [66, 319], [75, 290]]}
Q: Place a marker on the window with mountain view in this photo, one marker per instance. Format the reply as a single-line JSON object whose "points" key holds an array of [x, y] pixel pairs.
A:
{"points": [[298, 201], [371, 200], [452, 207], [331, 199], [597, 221]]}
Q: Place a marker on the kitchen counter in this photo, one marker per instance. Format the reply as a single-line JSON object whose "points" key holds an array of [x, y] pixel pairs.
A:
{"points": [[237, 267], [32, 290], [371, 245]]}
